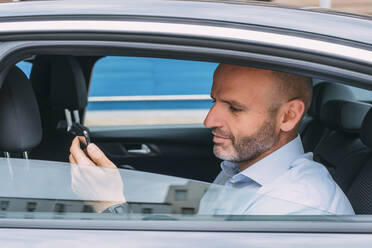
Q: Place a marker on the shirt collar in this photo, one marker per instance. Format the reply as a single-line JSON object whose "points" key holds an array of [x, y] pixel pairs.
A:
{"points": [[271, 166]]}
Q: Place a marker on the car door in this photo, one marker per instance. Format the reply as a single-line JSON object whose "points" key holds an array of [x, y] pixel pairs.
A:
{"points": [[275, 47]]}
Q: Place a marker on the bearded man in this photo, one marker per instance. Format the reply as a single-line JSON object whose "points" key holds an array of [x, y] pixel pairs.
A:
{"points": [[254, 121]]}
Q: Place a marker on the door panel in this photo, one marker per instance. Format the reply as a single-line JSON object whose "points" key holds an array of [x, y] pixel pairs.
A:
{"points": [[184, 152]]}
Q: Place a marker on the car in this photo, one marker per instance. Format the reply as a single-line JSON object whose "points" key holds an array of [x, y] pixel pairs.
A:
{"points": [[136, 76]]}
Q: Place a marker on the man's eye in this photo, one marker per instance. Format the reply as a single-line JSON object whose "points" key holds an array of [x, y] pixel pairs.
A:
{"points": [[233, 109]]}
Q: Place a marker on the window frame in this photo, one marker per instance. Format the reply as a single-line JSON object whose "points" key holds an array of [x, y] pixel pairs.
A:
{"points": [[270, 55]]}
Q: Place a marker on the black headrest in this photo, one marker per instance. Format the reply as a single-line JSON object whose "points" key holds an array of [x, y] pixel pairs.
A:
{"points": [[344, 115], [366, 131], [20, 125], [324, 92], [68, 86]]}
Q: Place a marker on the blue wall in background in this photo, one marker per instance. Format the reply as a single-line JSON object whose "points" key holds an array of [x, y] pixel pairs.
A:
{"points": [[137, 105], [128, 76], [25, 67], [133, 76]]}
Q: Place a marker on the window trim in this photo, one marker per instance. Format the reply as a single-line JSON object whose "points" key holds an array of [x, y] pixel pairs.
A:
{"points": [[260, 224], [13, 52], [343, 224], [191, 30]]}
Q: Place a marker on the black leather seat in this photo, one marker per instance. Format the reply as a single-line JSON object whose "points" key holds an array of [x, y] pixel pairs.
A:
{"points": [[338, 131], [68, 90], [311, 128], [360, 191], [20, 124], [342, 150], [60, 85]]}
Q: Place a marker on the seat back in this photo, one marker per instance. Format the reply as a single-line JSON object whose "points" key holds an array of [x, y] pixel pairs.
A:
{"points": [[20, 124], [61, 90], [360, 191], [311, 128], [68, 90], [342, 150]]}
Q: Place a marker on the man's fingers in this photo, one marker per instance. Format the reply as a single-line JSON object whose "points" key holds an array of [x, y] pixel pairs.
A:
{"points": [[98, 157], [95, 154], [71, 159], [78, 154], [82, 140]]}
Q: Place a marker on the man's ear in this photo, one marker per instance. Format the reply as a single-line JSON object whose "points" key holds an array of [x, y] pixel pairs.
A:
{"points": [[291, 114]]}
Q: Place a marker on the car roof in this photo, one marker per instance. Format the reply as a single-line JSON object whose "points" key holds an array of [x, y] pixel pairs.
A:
{"points": [[327, 23]]}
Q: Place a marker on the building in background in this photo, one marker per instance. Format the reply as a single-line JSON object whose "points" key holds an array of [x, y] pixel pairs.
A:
{"points": [[185, 199], [179, 199]]}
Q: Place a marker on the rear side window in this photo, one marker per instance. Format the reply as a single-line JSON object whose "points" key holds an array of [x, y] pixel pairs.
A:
{"points": [[25, 67], [148, 91], [362, 94]]}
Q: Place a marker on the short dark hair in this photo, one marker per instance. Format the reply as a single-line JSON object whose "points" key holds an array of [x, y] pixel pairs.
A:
{"points": [[293, 86]]}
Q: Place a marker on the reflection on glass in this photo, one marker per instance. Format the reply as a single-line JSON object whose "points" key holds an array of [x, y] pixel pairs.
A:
{"points": [[4, 205], [181, 195], [147, 210], [59, 208], [87, 209], [46, 189], [31, 206]]}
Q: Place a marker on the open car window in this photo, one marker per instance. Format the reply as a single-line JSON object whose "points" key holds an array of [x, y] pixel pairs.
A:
{"points": [[127, 91], [145, 114]]}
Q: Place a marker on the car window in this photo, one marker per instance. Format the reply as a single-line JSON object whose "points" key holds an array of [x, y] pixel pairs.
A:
{"points": [[45, 189], [148, 91], [25, 67], [362, 94], [135, 91], [158, 166]]}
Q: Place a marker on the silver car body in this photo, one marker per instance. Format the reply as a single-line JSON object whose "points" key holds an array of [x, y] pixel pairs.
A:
{"points": [[334, 45]]}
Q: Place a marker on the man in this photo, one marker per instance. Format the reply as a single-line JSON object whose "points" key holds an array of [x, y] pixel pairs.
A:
{"points": [[254, 121]]}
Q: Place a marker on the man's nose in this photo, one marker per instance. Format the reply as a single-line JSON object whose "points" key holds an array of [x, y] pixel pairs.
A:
{"points": [[213, 119]]}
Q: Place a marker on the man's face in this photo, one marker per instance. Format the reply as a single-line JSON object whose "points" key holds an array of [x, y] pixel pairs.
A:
{"points": [[242, 119]]}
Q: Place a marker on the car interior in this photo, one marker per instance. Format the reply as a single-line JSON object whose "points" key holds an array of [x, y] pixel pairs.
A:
{"points": [[336, 129]]}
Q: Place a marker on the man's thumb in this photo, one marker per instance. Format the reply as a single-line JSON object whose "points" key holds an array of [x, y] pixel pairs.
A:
{"points": [[98, 157]]}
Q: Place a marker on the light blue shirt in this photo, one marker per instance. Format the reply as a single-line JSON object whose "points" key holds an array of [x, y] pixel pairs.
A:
{"points": [[287, 181]]}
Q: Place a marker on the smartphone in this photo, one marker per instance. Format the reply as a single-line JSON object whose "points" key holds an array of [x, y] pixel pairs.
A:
{"points": [[86, 136], [79, 130], [87, 141]]}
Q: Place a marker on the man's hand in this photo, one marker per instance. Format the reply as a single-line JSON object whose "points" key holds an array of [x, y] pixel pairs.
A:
{"points": [[96, 156], [95, 178]]}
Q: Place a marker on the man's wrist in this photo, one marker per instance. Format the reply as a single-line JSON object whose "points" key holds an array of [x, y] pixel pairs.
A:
{"points": [[102, 206], [120, 208]]}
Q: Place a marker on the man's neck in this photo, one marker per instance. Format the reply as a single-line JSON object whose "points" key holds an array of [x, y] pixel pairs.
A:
{"points": [[282, 141]]}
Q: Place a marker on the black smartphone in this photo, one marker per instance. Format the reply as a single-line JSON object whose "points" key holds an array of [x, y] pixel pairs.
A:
{"points": [[79, 130], [86, 136]]}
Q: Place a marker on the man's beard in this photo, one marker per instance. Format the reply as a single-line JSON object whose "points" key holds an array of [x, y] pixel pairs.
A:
{"points": [[244, 149]]}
